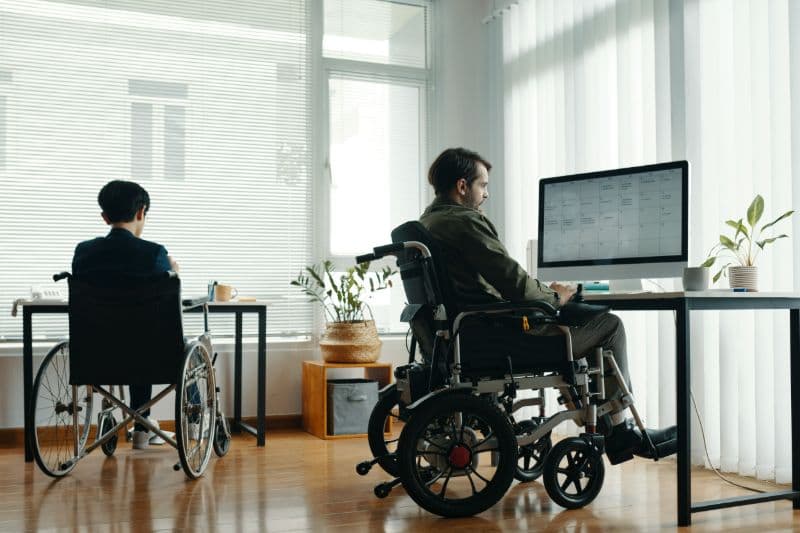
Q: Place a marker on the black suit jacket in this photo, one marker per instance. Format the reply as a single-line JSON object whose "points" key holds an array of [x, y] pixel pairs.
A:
{"points": [[118, 258]]}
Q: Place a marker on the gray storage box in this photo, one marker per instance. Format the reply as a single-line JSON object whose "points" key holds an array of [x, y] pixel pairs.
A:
{"points": [[350, 402]]}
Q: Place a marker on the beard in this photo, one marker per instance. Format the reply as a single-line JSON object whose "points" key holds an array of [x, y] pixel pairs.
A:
{"points": [[475, 202]]}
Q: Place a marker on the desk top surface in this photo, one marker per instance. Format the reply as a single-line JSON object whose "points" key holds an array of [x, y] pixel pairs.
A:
{"points": [[65, 303], [672, 295]]}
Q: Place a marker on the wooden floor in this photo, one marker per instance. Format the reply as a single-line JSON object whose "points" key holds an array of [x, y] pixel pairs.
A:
{"points": [[301, 483]]}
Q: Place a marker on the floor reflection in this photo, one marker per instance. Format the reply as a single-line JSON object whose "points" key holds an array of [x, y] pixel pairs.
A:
{"points": [[300, 483]]}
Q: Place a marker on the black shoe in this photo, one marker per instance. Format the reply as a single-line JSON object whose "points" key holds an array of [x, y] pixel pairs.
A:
{"points": [[665, 440], [625, 440]]}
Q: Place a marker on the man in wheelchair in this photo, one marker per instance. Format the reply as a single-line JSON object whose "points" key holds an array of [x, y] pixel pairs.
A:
{"points": [[482, 272], [120, 258]]}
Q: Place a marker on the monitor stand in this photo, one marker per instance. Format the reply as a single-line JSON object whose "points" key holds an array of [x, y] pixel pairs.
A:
{"points": [[625, 285]]}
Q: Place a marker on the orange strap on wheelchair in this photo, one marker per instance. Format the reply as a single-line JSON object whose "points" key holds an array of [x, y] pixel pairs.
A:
{"points": [[525, 325]]}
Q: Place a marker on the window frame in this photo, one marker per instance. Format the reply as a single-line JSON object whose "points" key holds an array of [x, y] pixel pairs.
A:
{"points": [[420, 78], [324, 68]]}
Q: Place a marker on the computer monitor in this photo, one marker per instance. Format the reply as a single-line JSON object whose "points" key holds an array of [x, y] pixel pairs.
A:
{"points": [[624, 224]]}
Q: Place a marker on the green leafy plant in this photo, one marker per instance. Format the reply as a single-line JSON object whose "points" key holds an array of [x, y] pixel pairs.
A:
{"points": [[746, 244], [342, 299]]}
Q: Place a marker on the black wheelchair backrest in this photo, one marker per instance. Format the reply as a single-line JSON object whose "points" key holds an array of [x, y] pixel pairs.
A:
{"points": [[131, 334], [425, 279]]}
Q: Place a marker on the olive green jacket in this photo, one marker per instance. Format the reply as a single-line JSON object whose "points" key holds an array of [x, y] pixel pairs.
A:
{"points": [[479, 265]]}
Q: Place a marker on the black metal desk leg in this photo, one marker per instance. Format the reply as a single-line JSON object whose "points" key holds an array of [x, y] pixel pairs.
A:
{"points": [[237, 374], [27, 380], [262, 376], [794, 384], [684, 436]]}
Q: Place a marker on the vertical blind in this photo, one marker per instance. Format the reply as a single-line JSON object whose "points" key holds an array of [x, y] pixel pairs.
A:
{"points": [[205, 104], [592, 84]]}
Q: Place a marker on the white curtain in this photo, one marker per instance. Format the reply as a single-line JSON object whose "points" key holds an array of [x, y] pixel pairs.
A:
{"points": [[596, 84]]}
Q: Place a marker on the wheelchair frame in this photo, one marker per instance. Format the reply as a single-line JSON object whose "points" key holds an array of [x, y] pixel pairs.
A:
{"points": [[107, 432], [581, 404]]}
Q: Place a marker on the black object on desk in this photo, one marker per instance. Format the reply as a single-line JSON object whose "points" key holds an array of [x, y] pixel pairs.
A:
{"points": [[236, 308], [682, 303]]}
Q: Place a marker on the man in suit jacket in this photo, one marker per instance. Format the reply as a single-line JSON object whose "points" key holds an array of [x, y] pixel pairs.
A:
{"points": [[121, 257]]}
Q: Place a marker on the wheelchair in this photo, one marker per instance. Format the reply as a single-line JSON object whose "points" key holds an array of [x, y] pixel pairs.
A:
{"points": [[126, 336], [461, 445]]}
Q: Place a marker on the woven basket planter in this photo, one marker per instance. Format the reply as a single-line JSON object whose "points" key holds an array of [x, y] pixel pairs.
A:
{"points": [[743, 276], [350, 342]]}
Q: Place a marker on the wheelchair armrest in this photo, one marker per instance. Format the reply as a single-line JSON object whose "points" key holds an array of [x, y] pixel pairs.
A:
{"points": [[578, 313], [548, 312], [189, 303], [527, 305]]}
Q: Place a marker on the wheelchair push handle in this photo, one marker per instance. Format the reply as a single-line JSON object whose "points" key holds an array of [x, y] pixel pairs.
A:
{"points": [[379, 252], [61, 275], [365, 258], [386, 249]]}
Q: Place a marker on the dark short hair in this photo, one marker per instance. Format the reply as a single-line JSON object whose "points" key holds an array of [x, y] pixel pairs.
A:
{"points": [[452, 165], [120, 200]]}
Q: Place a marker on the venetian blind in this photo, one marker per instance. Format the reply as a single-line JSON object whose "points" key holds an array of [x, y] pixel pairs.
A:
{"points": [[204, 103]]}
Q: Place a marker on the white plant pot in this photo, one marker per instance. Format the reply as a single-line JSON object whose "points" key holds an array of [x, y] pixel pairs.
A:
{"points": [[743, 276]]}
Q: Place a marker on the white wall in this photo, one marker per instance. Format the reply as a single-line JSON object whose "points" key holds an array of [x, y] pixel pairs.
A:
{"points": [[284, 363], [459, 116], [460, 100]]}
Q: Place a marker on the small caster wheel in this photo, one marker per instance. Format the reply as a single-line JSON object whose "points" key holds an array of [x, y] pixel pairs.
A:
{"points": [[382, 490], [176, 467], [363, 468], [530, 458], [573, 473], [109, 446], [222, 437]]}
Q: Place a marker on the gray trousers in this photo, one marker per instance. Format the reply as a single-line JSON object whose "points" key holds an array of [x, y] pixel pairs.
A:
{"points": [[606, 331]]}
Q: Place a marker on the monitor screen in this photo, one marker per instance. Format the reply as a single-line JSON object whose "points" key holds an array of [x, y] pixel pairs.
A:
{"points": [[615, 217]]}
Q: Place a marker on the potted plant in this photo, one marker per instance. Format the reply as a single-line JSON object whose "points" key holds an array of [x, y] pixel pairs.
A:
{"points": [[743, 249], [349, 337]]}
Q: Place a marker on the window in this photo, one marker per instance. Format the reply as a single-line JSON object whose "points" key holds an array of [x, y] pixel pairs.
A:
{"points": [[5, 81], [376, 72], [159, 107], [376, 31], [2, 131], [206, 106], [374, 159]]}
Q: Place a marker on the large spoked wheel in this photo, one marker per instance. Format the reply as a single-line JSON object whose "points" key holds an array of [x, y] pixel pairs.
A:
{"points": [[54, 435], [382, 447], [573, 473], [195, 411], [445, 455], [530, 457]]}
